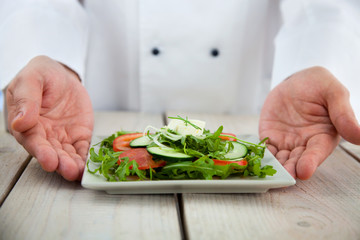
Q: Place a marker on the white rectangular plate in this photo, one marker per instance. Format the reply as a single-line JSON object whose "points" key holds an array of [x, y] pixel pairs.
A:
{"points": [[231, 185]]}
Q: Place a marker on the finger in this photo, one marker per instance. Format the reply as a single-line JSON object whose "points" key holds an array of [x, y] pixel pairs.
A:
{"points": [[272, 149], [282, 156], [67, 166], [317, 150], [342, 114], [41, 149], [290, 164], [70, 149], [23, 98], [82, 148]]}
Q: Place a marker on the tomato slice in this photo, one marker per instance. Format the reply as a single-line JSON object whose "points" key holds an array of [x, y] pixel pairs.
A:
{"points": [[227, 138], [122, 143], [142, 157], [218, 162]]}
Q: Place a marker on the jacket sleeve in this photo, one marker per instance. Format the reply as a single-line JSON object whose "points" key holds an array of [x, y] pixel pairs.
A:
{"points": [[320, 33], [28, 28]]}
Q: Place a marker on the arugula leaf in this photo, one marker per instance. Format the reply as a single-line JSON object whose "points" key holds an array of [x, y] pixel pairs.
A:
{"points": [[203, 168], [108, 165], [129, 168]]}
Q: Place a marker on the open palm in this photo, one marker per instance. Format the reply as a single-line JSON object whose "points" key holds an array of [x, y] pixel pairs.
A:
{"points": [[50, 114], [304, 117]]}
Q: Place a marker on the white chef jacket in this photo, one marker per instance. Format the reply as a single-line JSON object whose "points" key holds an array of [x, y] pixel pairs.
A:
{"points": [[194, 55]]}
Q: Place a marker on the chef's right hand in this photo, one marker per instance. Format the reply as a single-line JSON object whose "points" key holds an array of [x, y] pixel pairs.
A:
{"points": [[50, 114]]}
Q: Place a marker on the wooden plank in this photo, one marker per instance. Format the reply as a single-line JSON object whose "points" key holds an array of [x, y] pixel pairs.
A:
{"points": [[13, 160], [106, 123], [2, 121], [324, 207], [45, 206], [352, 149]]}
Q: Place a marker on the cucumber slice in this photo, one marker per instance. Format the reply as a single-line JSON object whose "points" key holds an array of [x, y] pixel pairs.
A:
{"points": [[169, 154], [140, 142], [239, 151]]}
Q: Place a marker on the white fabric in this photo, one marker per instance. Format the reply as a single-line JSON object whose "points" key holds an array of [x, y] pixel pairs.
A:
{"points": [[122, 73], [185, 75], [320, 33], [56, 28]]}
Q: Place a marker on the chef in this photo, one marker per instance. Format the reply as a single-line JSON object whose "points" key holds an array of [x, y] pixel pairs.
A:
{"points": [[155, 55]]}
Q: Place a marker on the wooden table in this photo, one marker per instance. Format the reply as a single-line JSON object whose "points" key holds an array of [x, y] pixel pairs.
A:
{"points": [[40, 205]]}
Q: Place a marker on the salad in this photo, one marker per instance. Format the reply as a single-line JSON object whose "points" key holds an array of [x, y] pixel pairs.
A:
{"points": [[183, 149]]}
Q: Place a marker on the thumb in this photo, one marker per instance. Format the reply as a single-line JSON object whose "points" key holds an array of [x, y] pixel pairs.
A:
{"points": [[23, 99], [26, 117], [342, 114]]}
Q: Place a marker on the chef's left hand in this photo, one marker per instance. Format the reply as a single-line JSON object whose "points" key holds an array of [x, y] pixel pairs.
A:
{"points": [[304, 117]]}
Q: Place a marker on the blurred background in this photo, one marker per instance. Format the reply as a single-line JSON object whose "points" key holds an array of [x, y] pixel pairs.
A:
{"points": [[1, 101]]}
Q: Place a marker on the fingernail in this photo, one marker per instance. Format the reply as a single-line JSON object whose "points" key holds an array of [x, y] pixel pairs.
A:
{"points": [[19, 115]]}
